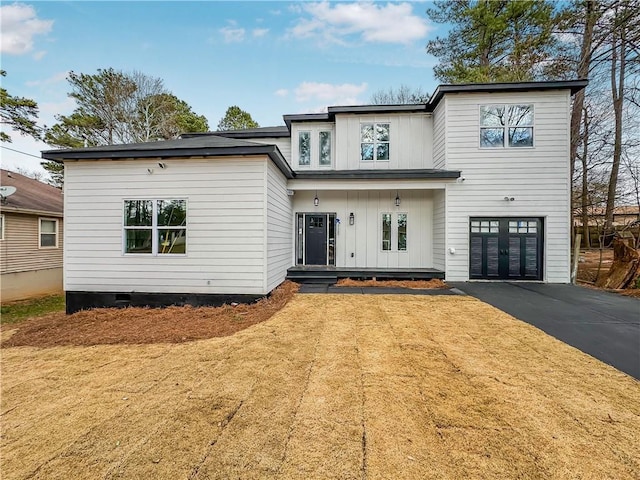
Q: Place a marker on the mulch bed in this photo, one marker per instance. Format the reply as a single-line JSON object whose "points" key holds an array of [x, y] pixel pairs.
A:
{"points": [[415, 284], [105, 326]]}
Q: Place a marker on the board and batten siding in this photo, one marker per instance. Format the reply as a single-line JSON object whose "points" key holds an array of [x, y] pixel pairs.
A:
{"points": [[537, 178], [279, 223], [410, 144], [20, 250], [225, 225], [363, 239]]}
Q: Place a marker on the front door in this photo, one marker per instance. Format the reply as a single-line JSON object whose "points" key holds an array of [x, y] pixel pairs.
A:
{"points": [[315, 239], [505, 248]]}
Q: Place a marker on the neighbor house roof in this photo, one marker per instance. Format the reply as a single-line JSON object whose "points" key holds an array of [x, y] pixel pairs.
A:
{"points": [[203, 145], [31, 196]]}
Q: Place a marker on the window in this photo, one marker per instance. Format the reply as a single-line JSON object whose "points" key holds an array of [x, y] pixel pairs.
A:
{"points": [[1, 227], [374, 142], [522, 226], [304, 148], [48, 233], [485, 226], [506, 126], [155, 227], [325, 149], [397, 237]]}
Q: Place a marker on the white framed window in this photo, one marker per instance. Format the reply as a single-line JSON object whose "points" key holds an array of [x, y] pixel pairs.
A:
{"points": [[374, 142], [48, 233], [324, 138], [394, 234], [155, 227], [304, 148], [506, 126], [1, 227]]}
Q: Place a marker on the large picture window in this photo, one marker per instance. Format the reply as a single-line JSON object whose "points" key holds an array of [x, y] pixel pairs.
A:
{"points": [[506, 126], [155, 227], [48, 233], [374, 142]]}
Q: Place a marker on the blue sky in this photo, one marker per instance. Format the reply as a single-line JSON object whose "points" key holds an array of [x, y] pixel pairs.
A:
{"points": [[269, 58]]}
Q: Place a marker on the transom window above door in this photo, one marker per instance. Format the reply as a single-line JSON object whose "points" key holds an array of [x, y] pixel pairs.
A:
{"points": [[374, 142]]}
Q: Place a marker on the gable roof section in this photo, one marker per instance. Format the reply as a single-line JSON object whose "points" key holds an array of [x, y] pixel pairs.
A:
{"points": [[31, 196], [202, 145]]}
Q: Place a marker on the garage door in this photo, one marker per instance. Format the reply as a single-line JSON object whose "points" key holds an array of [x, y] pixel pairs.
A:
{"points": [[506, 248]]}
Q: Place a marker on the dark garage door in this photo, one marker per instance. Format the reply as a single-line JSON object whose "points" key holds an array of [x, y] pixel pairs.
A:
{"points": [[506, 248]]}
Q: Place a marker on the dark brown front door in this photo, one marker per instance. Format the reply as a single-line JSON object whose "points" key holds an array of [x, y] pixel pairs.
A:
{"points": [[506, 248]]}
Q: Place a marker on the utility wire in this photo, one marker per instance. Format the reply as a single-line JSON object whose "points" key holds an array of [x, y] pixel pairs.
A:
{"points": [[23, 153]]}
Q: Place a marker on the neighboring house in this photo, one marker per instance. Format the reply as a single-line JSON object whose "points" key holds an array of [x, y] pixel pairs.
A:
{"points": [[623, 216], [31, 238], [472, 185]]}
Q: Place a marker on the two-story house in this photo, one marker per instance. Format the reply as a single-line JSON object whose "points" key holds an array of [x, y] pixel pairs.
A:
{"points": [[473, 184]]}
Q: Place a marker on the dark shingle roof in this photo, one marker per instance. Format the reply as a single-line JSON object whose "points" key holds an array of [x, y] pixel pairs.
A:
{"points": [[31, 195], [260, 132]]}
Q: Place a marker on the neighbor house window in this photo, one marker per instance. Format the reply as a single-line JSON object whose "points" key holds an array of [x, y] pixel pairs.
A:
{"points": [[325, 149], [48, 233], [304, 148], [374, 142], [1, 227], [506, 126], [155, 227]]}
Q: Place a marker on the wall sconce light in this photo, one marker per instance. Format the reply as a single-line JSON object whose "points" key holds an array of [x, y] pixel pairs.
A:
{"points": [[162, 165], [397, 199], [316, 200], [352, 218]]}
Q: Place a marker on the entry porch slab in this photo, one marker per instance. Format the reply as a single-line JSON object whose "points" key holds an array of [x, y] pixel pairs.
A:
{"points": [[331, 274]]}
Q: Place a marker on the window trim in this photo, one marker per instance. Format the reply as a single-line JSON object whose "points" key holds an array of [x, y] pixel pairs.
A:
{"points": [[375, 144], [505, 128], [154, 227], [57, 233]]}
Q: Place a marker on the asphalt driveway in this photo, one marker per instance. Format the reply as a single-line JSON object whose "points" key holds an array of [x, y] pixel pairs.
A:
{"points": [[602, 324]]}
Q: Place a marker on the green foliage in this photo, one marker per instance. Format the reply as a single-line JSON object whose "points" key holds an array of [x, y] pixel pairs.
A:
{"points": [[19, 113], [236, 119], [18, 311], [56, 172], [114, 107], [493, 40]]}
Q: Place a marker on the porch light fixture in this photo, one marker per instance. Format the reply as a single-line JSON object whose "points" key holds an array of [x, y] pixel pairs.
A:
{"points": [[316, 200], [352, 219], [397, 199]]}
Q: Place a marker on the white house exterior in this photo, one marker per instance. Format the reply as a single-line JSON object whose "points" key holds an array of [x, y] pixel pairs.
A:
{"points": [[472, 185]]}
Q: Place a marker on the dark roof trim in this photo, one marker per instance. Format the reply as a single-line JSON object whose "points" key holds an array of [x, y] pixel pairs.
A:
{"points": [[377, 174], [305, 117], [573, 85], [261, 132], [410, 107], [271, 151]]}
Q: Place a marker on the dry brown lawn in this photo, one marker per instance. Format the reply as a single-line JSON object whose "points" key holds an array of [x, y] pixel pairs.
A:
{"points": [[332, 386]]}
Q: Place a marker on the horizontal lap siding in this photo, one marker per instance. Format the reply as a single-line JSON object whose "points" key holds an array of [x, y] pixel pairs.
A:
{"points": [[439, 229], [225, 226], [439, 135], [20, 250], [537, 178], [283, 144], [279, 228]]}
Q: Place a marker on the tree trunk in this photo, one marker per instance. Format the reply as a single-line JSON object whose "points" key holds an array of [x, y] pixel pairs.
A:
{"points": [[618, 65], [586, 234]]}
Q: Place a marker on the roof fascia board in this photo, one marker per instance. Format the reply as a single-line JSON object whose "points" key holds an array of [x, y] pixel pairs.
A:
{"points": [[28, 211], [377, 174]]}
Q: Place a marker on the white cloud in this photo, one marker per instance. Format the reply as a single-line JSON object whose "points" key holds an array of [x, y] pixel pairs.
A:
{"points": [[260, 32], [344, 94], [18, 25], [390, 23], [57, 78], [232, 35], [282, 92]]}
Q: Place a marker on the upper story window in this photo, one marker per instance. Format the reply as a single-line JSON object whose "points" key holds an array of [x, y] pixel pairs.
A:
{"points": [[325, 149], [506, 126], [155, 227], [374, 142], [304, 148], [48, 233]]}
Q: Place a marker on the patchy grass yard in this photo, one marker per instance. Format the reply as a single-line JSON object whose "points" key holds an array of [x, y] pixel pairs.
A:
{"points": [[332, 386], [14, 312]]}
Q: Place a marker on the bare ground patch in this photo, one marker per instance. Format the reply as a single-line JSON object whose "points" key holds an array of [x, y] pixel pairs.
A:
{"points": [[332, 386], [106, 326]]}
